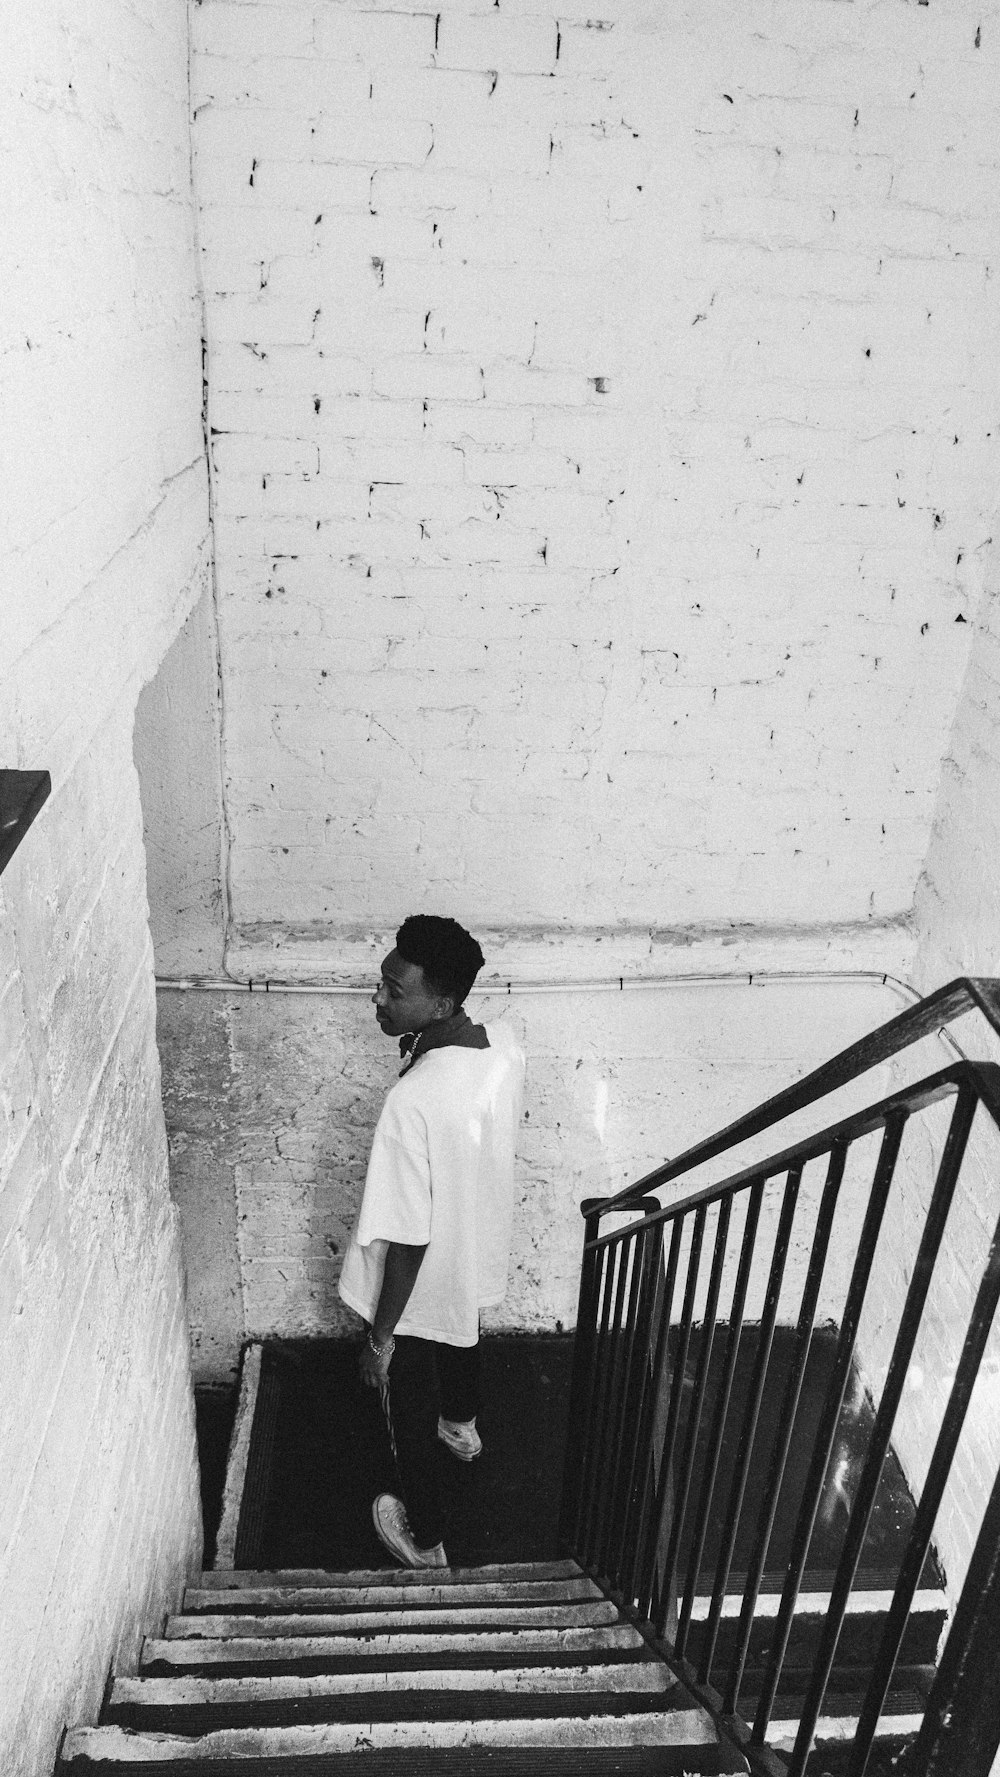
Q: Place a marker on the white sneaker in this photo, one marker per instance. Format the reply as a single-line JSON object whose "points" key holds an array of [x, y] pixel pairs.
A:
{"points": [[392, 1527], [461, 1437]]}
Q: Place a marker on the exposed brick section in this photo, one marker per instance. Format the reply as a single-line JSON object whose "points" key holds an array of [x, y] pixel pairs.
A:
{"points": [[106, 523], [630, 380]]}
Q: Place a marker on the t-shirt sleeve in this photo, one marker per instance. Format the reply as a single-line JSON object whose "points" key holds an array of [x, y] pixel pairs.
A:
{"points": [[397, 1199]]}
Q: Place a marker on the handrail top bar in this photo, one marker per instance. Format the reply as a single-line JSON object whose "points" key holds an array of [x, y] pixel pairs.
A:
{"points": [[983, 1078], [967, 993]]}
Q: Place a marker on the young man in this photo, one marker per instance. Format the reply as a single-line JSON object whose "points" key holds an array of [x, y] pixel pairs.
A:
{"points": [[431, 1243]]}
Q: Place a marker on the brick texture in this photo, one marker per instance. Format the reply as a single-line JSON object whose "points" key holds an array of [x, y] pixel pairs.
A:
{"points": [[104, 550], [603, 420]]}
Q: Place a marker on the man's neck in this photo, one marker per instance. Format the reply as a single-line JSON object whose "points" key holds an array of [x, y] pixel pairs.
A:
{"points": [[457, 1031]]}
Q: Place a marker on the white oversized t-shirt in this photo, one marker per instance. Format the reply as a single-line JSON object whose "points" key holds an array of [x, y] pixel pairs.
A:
{"points": [[441, 1175]]}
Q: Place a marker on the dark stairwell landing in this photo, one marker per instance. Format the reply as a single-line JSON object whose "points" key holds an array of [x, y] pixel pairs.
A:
{"points": [[316, 1466], [331, 1456]]}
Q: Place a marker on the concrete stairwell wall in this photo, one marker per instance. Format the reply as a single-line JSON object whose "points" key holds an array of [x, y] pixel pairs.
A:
{"points": [[105, 549]]}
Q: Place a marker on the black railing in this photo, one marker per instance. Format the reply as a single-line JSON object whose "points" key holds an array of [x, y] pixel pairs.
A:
{"points": [[666, 1444]]}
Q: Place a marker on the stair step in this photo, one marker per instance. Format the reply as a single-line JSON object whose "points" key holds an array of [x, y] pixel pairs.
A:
{"points": [[186, 1705], [268, 1600], [859, 1636], [227, 1579], [689, 1727], [584, 1613], [416, 1705], [404, 1666], [474, 1761], [906, 1695], [871, 1603], [636, 1675], [293, 1652], [901, 1717]]}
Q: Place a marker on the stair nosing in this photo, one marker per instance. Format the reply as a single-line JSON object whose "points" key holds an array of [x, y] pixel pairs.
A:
{"points": [[224, 1578], [689, 1726], [187, 1688], [209, 1652]]}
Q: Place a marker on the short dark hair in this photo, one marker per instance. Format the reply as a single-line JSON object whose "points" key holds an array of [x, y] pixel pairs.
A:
{"points": [[448, 954]]}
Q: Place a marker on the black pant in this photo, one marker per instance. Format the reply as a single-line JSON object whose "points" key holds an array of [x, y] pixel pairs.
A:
{"points": [[427, 1380]]}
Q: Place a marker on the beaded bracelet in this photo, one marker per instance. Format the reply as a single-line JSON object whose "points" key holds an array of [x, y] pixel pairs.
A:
{"points": [[382, 1352]]}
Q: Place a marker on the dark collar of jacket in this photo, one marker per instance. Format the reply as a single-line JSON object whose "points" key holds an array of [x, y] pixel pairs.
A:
{"points": [[458, 1031]]}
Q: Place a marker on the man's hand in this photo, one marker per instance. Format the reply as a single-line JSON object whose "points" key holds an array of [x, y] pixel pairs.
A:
{"points": [[373, 1369]]}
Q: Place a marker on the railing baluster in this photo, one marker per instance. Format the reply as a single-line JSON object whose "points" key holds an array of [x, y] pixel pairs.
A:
{"points": [[623, 1397], [857, 1526], [631, 1416], [980, 1326], [749, 1426], [638, 1581], [711, 1468], [664, 1491], [625, 1247], [638, 1464], [827, 1428], [786, 1425], [637, 1380], [683, 1489], [610, 1256], [581, 1381]]}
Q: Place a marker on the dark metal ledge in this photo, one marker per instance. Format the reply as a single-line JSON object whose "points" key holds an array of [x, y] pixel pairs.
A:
{"points": [[22, 794]]}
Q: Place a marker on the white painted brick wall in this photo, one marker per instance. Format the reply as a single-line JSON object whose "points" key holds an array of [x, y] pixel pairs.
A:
{"points": [[104, 532], [668, 332], [957, 912]]}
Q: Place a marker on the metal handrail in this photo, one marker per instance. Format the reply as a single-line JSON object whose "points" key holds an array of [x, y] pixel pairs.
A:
{"points": [[640, 1478], [967, 993], [851, 1128]]}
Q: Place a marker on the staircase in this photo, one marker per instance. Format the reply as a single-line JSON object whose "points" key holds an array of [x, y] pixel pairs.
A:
{"points": [[514, 1670], [743, 1588]]}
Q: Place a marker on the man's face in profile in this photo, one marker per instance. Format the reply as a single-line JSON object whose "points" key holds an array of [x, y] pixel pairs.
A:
{"points": [[404, 1001]]}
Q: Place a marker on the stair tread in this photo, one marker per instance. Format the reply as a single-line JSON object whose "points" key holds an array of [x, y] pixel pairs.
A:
{"points": [[900, 1718], [229, 1578], [305, 1600], [668, 1727], [815, 1582], [475, 1761], [373, 1646], [812, 1602], [472, 1618], [857, 1644], [906, 1695], [402, 1706], [635, 1675], [343, 1664]]}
